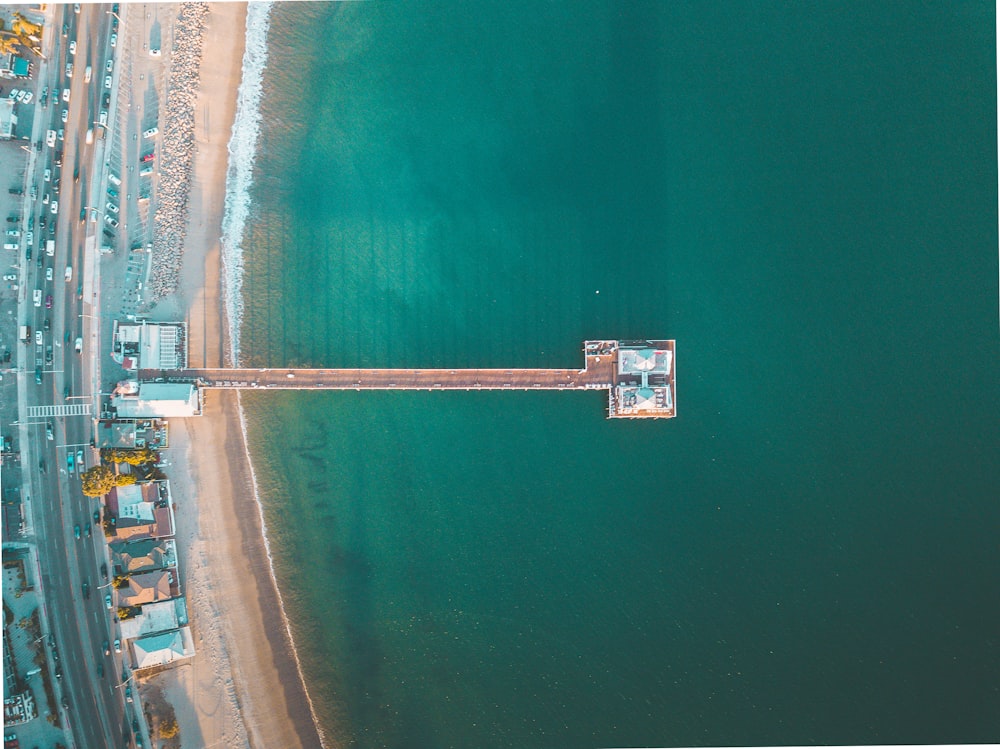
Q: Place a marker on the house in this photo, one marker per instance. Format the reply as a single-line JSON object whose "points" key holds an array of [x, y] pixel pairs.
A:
{"points": [[144, 555], [162, 649], [141, 511], [160, 616], [149, 587]]}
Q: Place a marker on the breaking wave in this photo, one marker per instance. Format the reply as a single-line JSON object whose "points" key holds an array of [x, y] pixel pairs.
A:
{"points": [[239, 174]]}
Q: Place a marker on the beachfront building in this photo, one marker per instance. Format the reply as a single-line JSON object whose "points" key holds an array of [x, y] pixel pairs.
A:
{"points": [[148, 587], [644, 380], [145, 555], [131, 434], [154, 618], [162, 649], [155, 400], [141, 511], [150, 345]]}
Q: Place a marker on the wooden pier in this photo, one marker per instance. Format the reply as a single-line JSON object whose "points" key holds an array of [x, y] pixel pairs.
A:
{"points": [[631, 394]]}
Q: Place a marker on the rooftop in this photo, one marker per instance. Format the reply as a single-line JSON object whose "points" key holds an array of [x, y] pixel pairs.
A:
{"points": [[157, 400], [156, 617], [162, 649]]}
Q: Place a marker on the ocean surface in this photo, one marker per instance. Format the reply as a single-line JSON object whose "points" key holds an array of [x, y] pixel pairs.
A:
{"points": [[804, 197]]}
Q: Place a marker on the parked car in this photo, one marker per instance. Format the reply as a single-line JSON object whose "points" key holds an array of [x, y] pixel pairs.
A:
{"points": [[104, 573], [49, 434], [72, 47], [107, 81], [106, 645], [114, 40], [70, 467], [79, 460], [107, 602], [48, 302], [118, 645]]}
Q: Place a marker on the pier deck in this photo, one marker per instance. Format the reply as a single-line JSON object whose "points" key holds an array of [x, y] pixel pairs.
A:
{"points": [[638, 375], [598, 376]]}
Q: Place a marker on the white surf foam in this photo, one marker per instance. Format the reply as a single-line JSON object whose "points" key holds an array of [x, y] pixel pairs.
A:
{"points": [[239, 180], [239, 174]]}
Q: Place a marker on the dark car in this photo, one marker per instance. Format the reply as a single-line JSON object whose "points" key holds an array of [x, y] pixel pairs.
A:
{"points": [[97, 519], [100, 670], [66, 392], [106, 100], [83, 214], [47, 324], [104, 566], [48, 301], [107, 647], [86, 530], [86, 590]]}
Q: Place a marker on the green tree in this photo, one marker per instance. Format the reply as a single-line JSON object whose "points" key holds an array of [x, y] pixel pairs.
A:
{"points": [[169, 728], [98, 481]]}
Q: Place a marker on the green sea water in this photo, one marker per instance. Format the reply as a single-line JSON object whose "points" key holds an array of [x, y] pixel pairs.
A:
{"points": [[805, 198]]}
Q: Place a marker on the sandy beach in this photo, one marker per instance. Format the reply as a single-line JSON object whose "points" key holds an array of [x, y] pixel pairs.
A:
{"points": [[242, 688]]}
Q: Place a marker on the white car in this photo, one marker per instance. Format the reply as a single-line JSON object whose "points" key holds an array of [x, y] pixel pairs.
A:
{"points": [[111, 221], [45, 199], [107, 81], [10, 277], [69, 70], [66, 95], [109, 65], [20, 95], [112, 208], [61, 134], [64, 115], [39, 338], [37, 297], [50, 138], [146, 171], [27, 97], [102, 118], [47, 175], [150, 133], [114, 179], [114, 40], [55, 206], [13, 93], [154, 52], [48, 273], [72, 47]]}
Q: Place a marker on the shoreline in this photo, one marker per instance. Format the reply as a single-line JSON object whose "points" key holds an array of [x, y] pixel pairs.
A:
{"points": [[245, 686]]}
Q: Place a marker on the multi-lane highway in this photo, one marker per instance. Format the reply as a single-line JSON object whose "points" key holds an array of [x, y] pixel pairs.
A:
{"points": [[69, 208]]}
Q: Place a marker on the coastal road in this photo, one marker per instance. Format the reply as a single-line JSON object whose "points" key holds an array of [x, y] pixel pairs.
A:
{"points": [[81, 623]]}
